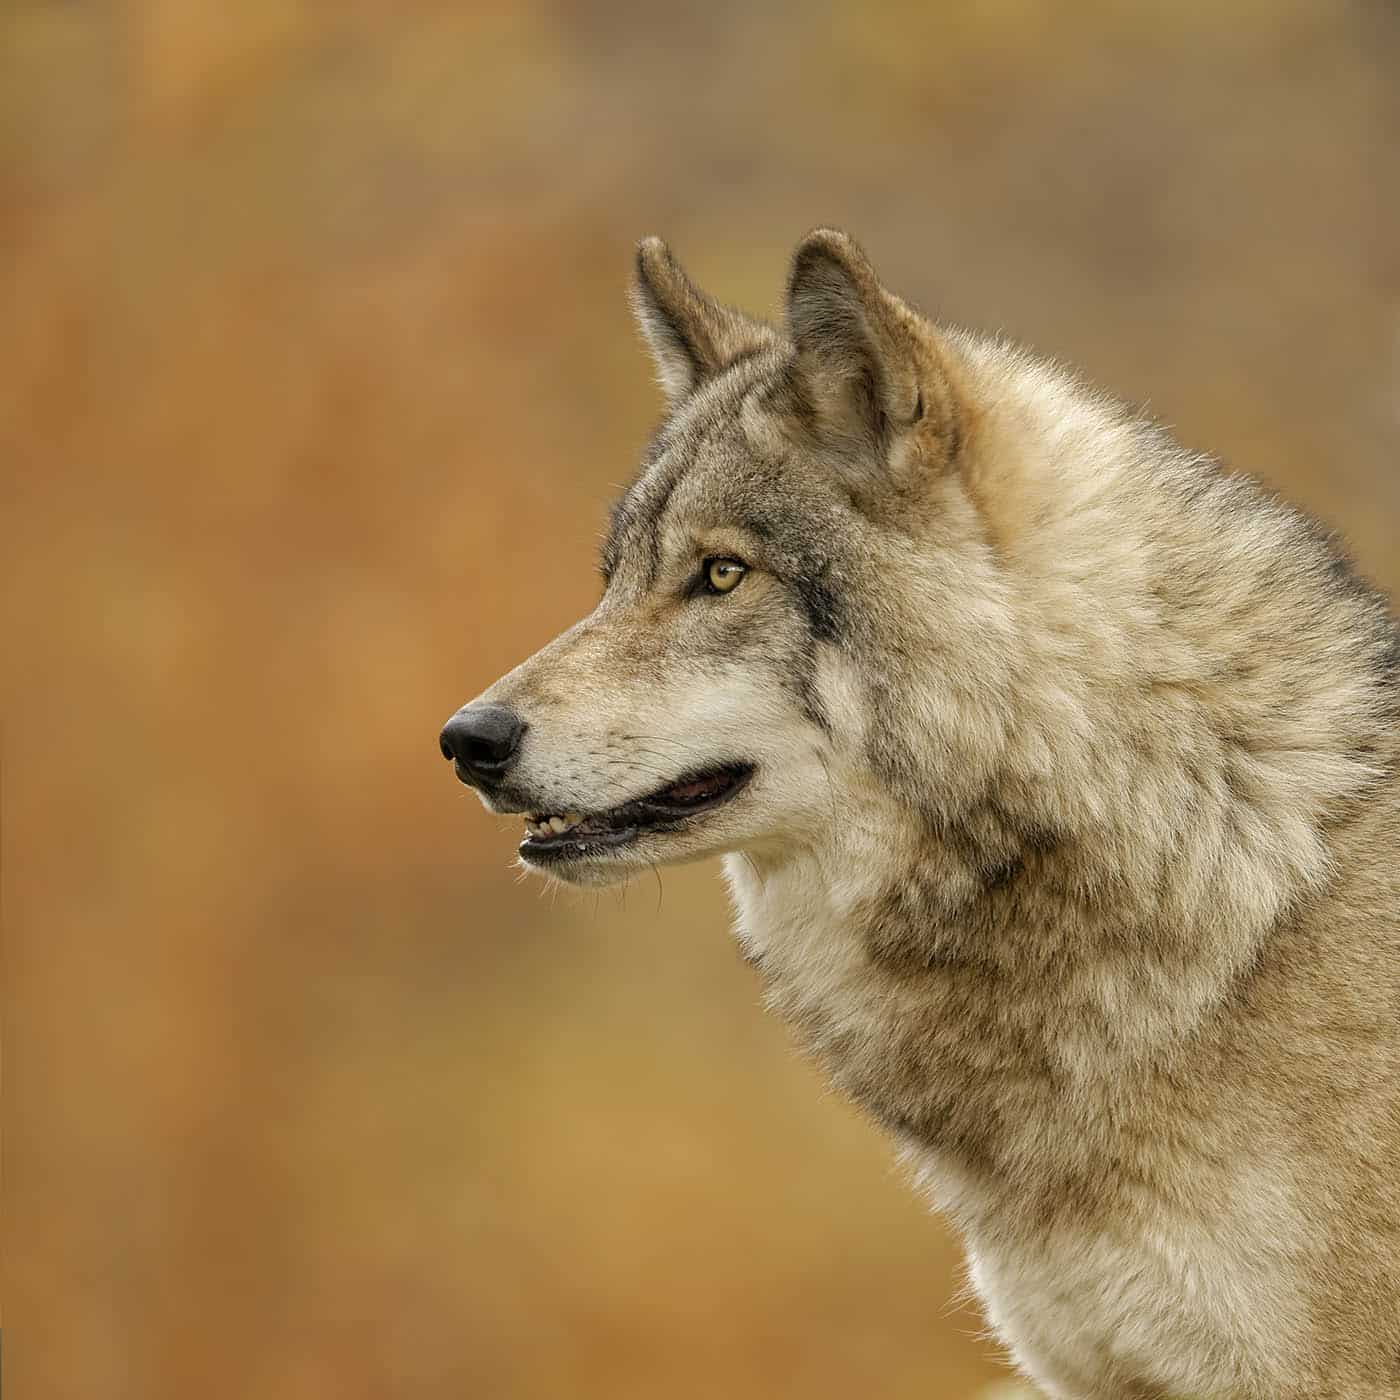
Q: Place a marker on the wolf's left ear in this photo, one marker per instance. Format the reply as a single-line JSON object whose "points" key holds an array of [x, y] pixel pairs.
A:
{"points": [[867, 371], [692, 336]]}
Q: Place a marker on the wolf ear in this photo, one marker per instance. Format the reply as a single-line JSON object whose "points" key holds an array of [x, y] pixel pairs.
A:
{"points": [[692, 336], [866, 370]]}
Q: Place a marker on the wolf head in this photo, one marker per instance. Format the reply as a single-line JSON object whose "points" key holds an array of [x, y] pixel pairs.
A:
{"points": [[800, 501], [880, 584]]}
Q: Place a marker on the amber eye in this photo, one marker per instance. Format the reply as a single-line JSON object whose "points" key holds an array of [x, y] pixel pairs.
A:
{"points": [[723, 575]]}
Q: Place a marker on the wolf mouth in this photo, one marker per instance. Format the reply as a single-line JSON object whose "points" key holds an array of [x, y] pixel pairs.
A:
{"points": [[572, 834]]}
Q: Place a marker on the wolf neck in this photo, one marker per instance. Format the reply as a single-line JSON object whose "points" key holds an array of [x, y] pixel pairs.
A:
{"points": [[917, 960], [978, 1010]]}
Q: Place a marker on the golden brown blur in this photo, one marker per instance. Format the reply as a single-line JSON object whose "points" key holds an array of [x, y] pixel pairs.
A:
{"points": [[317, 375]]}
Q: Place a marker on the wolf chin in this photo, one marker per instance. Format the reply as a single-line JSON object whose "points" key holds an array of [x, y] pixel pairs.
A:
{"points": [[1055, 775]]}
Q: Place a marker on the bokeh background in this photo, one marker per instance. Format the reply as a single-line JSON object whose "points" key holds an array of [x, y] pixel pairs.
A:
{"points": [[315, 376]]}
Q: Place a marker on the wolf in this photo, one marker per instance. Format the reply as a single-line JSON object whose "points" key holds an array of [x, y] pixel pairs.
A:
{"points": [[1055, 772]]}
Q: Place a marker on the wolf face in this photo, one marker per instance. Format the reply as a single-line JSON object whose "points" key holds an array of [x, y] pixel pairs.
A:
{"points": [[714, 698]]}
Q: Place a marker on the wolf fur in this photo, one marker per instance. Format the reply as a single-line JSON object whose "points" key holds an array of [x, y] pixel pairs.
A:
{"points": [[1071, 848]]}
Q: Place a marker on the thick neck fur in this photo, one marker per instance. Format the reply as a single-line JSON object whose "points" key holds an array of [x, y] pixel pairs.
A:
{"points": [[1100, 767]]}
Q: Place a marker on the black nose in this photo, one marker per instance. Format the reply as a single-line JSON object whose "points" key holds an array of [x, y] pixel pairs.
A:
{"points": [[482, 740]]}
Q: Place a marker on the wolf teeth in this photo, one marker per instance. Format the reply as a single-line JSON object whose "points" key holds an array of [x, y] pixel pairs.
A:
{"points": [[552, 826]]}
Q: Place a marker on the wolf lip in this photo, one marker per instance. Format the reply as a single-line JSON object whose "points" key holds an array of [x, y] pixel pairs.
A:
{"points": [[663, 810]]}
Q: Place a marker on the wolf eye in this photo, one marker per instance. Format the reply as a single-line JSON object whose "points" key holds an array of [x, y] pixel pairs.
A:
{"points": [[723, 575]]}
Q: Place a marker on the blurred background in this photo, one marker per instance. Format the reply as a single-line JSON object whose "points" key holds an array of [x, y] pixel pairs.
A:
{"points": [[315, 378]]}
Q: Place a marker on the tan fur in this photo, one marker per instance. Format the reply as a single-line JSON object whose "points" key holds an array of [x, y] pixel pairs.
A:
{"points": [[1075, 855]]}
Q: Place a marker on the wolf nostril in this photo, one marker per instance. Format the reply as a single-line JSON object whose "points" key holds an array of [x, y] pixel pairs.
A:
{"points": [[482, 740]]}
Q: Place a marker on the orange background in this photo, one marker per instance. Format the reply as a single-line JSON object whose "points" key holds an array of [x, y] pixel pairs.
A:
{"points": [[315, 377]]}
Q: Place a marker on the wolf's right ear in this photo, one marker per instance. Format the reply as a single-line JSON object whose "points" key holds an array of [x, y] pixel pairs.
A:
{"points": [[868, 376], [692, 336]]}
